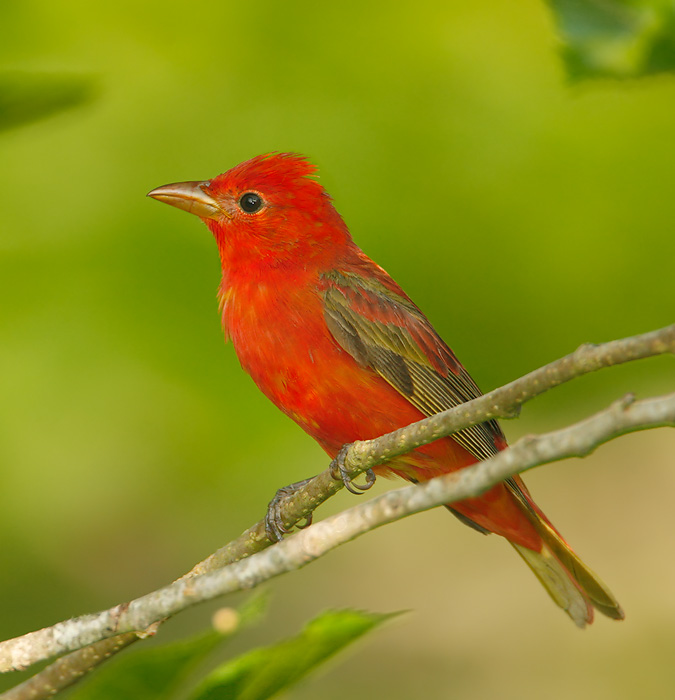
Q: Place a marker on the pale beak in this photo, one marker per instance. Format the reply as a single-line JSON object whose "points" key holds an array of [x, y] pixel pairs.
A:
{"points": [[190, 197]]}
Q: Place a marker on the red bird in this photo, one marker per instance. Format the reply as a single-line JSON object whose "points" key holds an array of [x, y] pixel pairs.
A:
{"points": [[339, 347]]}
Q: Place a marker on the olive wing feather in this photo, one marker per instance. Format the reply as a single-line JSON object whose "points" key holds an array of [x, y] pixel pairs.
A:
{"points": [[383, 330]]}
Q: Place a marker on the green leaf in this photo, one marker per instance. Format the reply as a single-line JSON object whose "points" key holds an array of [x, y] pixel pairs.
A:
{"points": [[616, 38], [155, 674], [265, 672], [27, 97], [149, 674]]}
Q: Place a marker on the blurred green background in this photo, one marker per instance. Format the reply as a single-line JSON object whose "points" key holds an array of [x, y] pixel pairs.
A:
{"points": [[525, 216]]}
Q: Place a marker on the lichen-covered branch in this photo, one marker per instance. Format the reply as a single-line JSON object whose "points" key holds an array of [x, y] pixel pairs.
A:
{"points": [[501, 403], [579, 439], [504, 402]]}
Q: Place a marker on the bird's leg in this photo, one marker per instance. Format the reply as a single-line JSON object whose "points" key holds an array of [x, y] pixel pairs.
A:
{"points": [[274, 522], [339, 472]]}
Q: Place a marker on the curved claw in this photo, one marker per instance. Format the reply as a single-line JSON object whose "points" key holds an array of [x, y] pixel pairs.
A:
{"points": [[339, 472], [307, 523], [274, 522]]}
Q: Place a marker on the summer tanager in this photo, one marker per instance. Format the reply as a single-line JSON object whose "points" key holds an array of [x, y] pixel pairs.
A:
{"points": [[338, 346]]}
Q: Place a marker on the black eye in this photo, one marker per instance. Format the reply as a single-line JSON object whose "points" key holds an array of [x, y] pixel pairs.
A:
{"points": [[250, 202]]}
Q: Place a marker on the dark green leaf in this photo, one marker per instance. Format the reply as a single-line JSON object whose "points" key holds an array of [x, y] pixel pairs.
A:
{"points": [[148, 674], [154, 674], [265, 672], [616, 38], [26, 97]]}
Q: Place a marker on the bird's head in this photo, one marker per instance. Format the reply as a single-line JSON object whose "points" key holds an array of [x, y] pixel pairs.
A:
{"points": [[268, 209]]}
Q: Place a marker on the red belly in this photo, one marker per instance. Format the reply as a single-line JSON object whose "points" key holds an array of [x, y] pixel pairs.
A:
{"points": [[299, 366]]}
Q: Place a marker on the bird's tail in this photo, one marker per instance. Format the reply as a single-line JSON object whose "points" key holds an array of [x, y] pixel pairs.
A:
{"points": [[571, 584]]}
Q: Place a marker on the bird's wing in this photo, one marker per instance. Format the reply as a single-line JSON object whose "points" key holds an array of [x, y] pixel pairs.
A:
{"points": [[381, 328]]}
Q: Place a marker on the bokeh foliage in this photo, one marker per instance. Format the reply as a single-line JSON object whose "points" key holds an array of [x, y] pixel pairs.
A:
{"points": [[616, 38], [523, 216], [27, 97]]}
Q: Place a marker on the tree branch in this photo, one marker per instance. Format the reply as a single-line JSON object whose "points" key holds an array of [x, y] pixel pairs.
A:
{"points": [[579, 439], [503, 402]]}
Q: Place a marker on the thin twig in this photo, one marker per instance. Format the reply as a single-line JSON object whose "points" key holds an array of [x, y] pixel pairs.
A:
{"points": [[503, 402], [577, 440], [500, 403]]}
